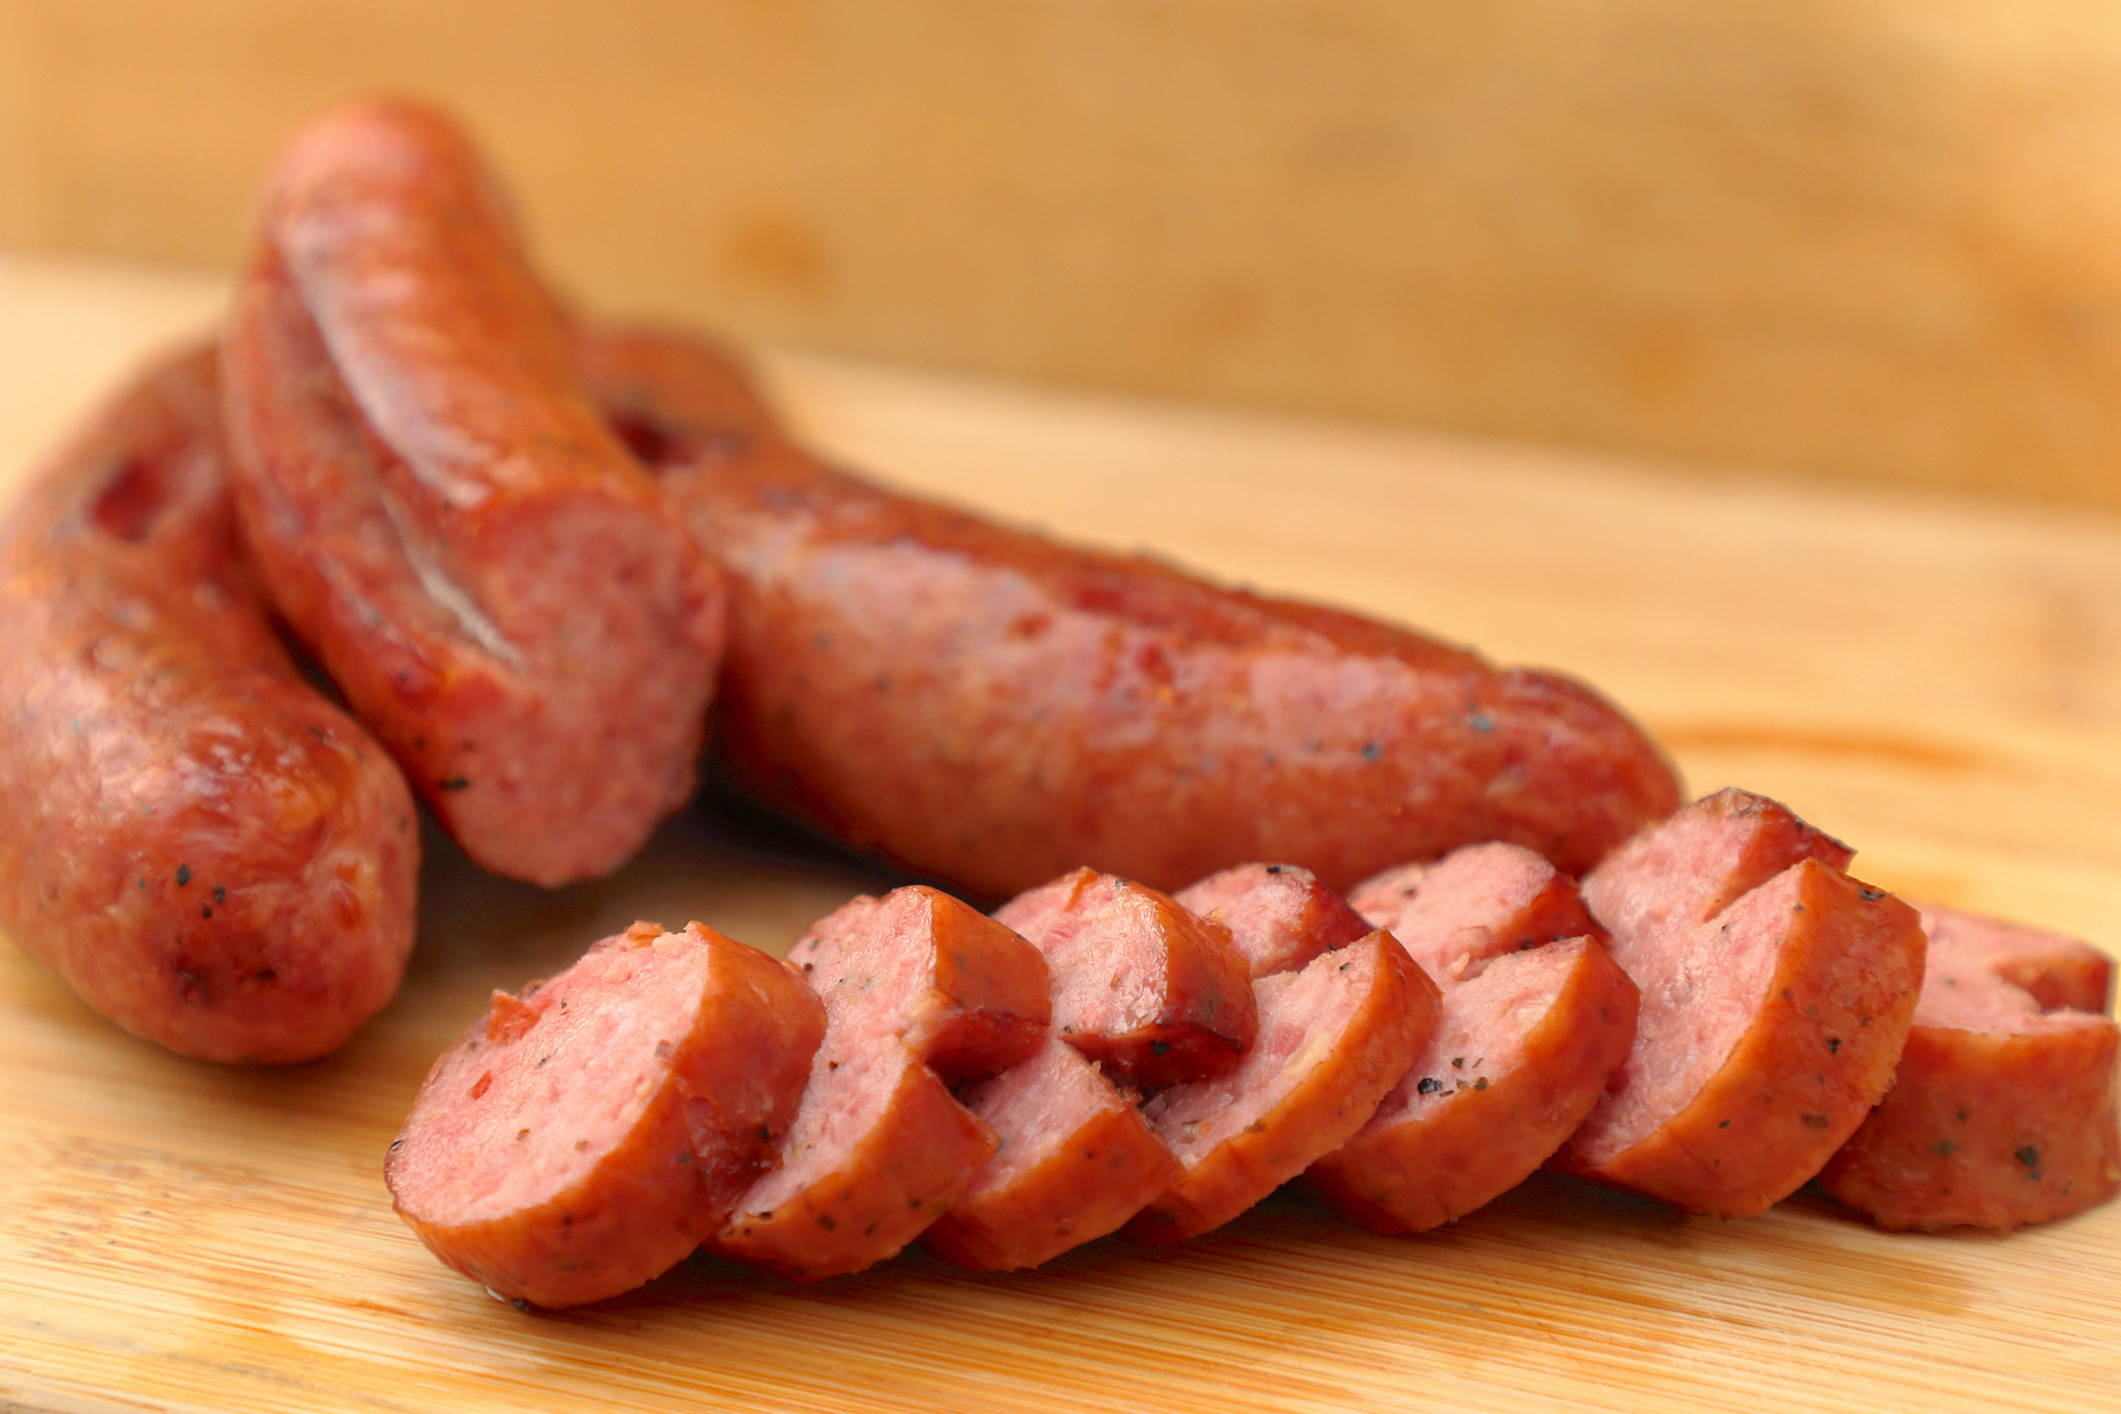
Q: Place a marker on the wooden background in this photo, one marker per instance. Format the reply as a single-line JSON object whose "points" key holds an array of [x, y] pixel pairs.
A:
{"points": [[1858, 238]]}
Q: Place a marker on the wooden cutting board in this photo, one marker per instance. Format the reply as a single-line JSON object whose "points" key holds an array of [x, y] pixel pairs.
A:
{"points": [[1937, 682]]}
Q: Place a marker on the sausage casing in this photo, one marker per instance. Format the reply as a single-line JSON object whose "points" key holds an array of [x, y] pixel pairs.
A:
{"points": [[206, 849]]}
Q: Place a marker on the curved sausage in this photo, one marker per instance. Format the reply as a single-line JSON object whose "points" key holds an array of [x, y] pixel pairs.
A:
{"points": [[1535, 1017], [585, 1136], [1776, 998], [1140, 985], [1334, 1038], [879, 1149], [204, 848], [2003, 1111], [442, 517], [982, 704]]}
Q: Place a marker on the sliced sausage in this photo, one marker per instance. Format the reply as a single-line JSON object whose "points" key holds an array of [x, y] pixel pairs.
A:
{"points": [[1144, 992], [444, 519], [1776, 997], [1075, 1161], [205, 849], [585, 1136], [1334, 1038], [879, 1148], [1535, 1017], [982, 704], [1140, 985], [2003, 1111], [1279, 915]]}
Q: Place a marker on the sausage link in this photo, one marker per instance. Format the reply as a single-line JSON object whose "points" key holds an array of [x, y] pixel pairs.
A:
{"points": [[982, 704], [442, 517], [203, 847]]}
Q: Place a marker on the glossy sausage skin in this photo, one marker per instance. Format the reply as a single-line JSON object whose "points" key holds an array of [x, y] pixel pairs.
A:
{"points": [[979, 703], [203, 847], [441, 516]]}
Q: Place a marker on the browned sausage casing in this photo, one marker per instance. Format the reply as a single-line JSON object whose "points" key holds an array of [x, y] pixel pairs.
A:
{"points": [[444, 519], [998, 709], [203, 847]]}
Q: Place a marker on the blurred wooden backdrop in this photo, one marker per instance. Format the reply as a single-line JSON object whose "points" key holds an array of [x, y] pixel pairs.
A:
{"points": [[1872, 238]]}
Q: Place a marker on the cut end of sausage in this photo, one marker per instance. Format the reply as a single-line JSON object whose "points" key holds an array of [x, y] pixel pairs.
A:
{"points": [[1769, 1024], [2003, 1110], [1075, 1161], [1140, 985], [1477, 903], [1520, 1054], [584, 1136], [1279, 915], [1333, 1040], [880, 1149], [966, 995]]}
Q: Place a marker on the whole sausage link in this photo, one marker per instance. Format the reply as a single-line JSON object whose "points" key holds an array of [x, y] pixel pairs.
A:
{"points": [[206, 850]]}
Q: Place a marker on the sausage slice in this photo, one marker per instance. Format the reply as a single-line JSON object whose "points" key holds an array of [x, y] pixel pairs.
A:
{"points": [[2003, 1111], [1333, 1039], [586, 1135], [1140, 985], [1535, 1017], [1279, 915], [201, 845], [1776, 997], [1075, 1161], [879, 1148], [443, 518]]}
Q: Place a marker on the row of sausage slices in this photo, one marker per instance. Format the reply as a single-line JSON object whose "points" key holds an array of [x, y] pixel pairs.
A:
{"points": [[1713, 1019]]}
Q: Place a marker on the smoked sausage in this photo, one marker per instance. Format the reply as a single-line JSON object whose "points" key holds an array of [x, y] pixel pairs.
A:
{"points": [[1535, 1017], [207, 850], [994, 708], [2003, 1110], [587, 1134], [1776, 996], [442, 517]]}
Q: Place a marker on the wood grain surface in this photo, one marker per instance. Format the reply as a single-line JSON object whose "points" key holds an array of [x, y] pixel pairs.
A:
{"points": [[1937, 681]]}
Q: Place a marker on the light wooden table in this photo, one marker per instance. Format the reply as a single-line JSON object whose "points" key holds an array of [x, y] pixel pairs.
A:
{"points": [[1937, 682]]}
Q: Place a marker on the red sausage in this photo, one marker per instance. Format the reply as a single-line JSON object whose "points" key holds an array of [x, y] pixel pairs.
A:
{"points": [[985, 705], [445, 520], [1140, 985], [1535, 1017], [1144, 993], [1076, 1160], [1279, 915], [203, 847], [2003, 1111], [1333, 1040], [879, 1149], [1776, 997], [584, 1137]]}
